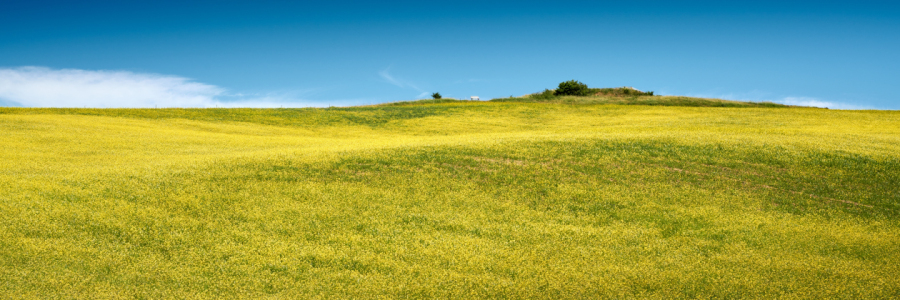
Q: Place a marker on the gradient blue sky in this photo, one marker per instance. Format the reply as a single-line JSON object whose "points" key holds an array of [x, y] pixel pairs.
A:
{"points": [[842, 54]]}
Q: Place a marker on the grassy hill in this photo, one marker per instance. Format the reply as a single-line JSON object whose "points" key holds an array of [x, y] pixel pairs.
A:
{"points": [[607, 99], [643, 100], [455, 199]]}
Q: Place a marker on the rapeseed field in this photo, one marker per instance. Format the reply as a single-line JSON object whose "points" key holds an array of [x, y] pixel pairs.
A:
{"points": [[460, 200]]}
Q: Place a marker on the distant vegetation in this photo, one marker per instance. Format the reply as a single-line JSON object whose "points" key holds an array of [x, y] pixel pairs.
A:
{"points": [[575, 92], [637, 100], [577, 88], [619, 92]]}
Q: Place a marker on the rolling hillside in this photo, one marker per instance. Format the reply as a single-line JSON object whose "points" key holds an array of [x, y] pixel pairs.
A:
{"points": [[451, 199]]}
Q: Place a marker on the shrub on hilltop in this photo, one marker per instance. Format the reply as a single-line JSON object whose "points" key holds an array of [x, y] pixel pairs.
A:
{"points": [[577, 88], [572, 88]]}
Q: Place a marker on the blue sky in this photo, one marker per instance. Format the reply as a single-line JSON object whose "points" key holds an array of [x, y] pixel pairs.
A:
{"points": [[841, 54]]}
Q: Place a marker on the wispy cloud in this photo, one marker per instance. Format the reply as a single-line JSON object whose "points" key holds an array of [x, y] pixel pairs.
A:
{"points": [[386, 75], [45, 87]]}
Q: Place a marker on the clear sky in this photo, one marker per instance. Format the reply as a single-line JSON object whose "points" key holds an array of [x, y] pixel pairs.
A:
{"points": [[841, 54]]}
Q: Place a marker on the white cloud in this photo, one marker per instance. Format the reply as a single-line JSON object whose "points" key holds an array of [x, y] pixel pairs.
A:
{"points": [[798, 101], [44, 87], [806, 101]]}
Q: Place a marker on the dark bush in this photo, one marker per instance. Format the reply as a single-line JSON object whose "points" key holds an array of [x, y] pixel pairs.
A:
{"points": [[572, 88], [436, 95]]}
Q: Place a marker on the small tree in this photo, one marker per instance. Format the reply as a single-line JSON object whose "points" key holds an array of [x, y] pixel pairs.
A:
{"points": [[573, 88], [436, 96]]}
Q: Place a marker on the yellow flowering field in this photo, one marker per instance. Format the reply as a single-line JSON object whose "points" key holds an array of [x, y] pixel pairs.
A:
{"points": [[455, 200]]}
